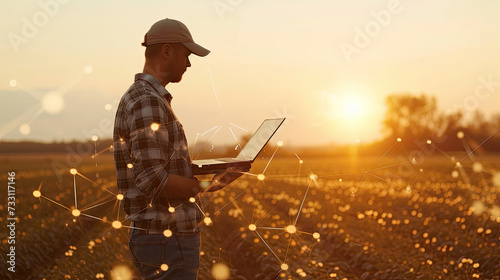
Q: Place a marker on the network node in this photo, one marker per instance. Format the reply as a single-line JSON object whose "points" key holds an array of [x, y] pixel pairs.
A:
{"points": [[119, 196], [291, 229], [284, 266], [116, 224], [37, 193], [208, 221], [164, 267], [261, 177], [73, 171], [279, 143], [155, 126], [76, 212], [167, 233], [252, 227]]}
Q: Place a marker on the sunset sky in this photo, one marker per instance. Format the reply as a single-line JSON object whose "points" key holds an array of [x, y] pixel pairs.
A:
{"points": [[325, 65]]}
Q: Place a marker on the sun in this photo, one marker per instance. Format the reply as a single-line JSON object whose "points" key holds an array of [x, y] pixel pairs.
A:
{"points": [[348, 107]]}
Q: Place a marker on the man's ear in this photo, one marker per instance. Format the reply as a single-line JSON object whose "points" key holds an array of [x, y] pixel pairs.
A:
{"points": [[166, 50]]}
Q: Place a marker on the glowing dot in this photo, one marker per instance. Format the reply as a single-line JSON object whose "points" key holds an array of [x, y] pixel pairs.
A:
{"points": [[120, 271], [116, 224], [361, 216], [280, 143], [164, 267], [261, 177], [291, 229], [477, 167], [155, 126], [13, 83], [171, 209], [107, 107], [252, 227], [340, 180], [119, 196], [399, 139], [88, 69], [220, 271], [130, 165], [460, 135], [316, 235], [192, 199], [75, 212], [204, 184], [429, 142], [301, 161], [284, 266], [313, 177], [73, 171], [37, 193], [167, 233], [25, 129], [208, 221], [496, 179], [52, 103], [95, 138], [455, 174], [458, 164]]}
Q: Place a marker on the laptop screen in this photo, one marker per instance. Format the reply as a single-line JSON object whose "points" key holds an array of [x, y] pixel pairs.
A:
{"points": [[260, 139]]}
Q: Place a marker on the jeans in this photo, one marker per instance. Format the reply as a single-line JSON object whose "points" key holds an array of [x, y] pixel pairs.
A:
{"points": [[161, 258]]}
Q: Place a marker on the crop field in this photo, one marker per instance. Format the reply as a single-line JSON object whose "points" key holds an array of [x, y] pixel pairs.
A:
{"points": [[302, 218]]}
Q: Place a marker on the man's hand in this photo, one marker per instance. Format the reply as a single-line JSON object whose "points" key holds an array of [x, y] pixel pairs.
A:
{"points": [[224, 178]]}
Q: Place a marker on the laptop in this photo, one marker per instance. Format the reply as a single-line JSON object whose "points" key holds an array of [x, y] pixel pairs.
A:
{"points": [[247, 155]]}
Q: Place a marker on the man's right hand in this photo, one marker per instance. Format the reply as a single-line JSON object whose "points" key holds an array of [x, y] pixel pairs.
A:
{"points": [[224, 178]]}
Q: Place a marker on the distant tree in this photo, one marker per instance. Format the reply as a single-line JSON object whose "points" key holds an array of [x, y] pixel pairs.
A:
{"points": [[411, 117]]}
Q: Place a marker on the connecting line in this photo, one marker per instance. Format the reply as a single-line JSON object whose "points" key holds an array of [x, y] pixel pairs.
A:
{"points": [[104, 189], [362, 158], [55, 202], [238, 127], [219, 128], [215, 92], [270, 159], [90, 216], [232, 133], [385, 180], [95, 205], [271, 228], [118, 210], [74, 187], [200, 210], [232, 200], [304, 199], [388, 166], [268, 246], [102, 151], [418, 174], [382, 156], [19, 120], [480, 144], [467, 148]]}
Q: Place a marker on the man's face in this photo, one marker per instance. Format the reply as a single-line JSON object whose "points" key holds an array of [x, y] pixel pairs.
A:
{"points": [[178, 62]]}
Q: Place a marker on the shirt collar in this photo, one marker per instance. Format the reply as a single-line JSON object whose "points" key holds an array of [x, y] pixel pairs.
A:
{"points": [[155, 84]]}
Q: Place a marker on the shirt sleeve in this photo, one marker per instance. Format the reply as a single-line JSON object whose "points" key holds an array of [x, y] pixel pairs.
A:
{"points": [[149, 144]]}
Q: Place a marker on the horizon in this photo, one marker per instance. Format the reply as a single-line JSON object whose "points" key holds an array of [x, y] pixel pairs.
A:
{"points": [[327, 67]]}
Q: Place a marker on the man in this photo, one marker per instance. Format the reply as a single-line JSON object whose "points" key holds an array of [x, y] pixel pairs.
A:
{"points": [[153, 165]]}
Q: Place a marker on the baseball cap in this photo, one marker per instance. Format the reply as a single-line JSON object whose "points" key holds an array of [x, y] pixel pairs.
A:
{"points": [[172, 31]]}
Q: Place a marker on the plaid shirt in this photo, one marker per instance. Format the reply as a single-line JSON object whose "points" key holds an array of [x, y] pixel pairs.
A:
{"points": [[149, 144]]}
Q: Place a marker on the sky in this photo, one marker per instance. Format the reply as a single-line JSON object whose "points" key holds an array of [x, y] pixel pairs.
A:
{"points": [[325, 65]]}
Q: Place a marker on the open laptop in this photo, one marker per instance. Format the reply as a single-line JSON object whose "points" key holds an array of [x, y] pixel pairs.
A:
{"points": [[247, 155]]}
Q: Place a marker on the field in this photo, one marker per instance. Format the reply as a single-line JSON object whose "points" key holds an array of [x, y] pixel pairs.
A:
{"points": [[309, 218]]}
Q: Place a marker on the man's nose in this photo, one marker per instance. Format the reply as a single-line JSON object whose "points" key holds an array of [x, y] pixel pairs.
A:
{"points": [[188, 64]]}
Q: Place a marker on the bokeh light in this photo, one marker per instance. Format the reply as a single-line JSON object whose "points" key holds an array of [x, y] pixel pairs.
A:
{"points": [[52, 103], [220, 271]]}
